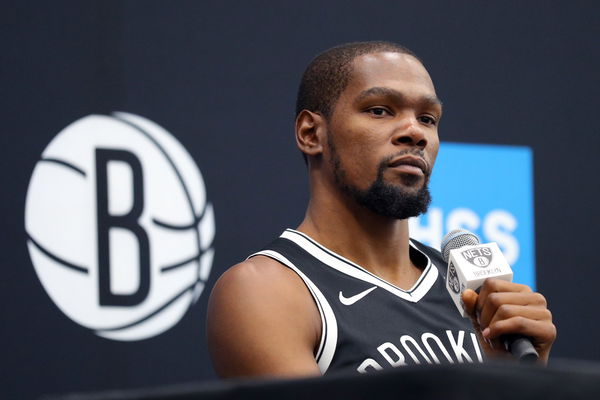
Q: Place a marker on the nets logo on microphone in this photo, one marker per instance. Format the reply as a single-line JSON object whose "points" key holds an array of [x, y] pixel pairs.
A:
{"points": [[478, 256], [488, 190], [119, 229], [453, 280]]}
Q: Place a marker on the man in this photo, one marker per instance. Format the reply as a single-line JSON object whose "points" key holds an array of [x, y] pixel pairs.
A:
{"points": [[348, 289]]}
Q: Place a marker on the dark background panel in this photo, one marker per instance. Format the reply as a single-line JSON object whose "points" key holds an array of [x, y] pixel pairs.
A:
{"points": [[221, 77]]}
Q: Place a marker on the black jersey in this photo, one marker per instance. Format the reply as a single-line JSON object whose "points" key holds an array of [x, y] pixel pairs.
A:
{"points": [[370, 324]]}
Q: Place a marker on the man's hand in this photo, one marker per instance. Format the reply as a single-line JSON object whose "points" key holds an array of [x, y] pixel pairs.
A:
{"points": [[504, 308]]}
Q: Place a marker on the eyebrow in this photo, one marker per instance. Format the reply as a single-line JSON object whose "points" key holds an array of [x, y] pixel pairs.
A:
{"points": [[396, 95]]}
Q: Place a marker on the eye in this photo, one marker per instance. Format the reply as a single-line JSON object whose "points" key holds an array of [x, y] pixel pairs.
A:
{"points": [[379, 111], [428, 120]]}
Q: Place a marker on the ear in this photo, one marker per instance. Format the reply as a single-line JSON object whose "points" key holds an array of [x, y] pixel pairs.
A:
{"points": [[311, 129]]}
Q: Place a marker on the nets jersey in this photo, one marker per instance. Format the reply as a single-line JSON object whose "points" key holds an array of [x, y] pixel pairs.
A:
{"points": [[369, 324]]}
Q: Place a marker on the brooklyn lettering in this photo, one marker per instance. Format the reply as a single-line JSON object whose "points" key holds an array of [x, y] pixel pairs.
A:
{"points": [[428, 348], [486, 272]]}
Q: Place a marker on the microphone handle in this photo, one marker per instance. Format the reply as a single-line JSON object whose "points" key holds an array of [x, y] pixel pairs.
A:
{"points": [[521, 347]]}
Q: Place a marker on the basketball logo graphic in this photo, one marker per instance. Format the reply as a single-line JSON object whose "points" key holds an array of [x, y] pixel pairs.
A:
{"points": [[119, 229]]}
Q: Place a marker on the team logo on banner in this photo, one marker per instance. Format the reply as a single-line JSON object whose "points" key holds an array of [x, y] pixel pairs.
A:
{"points": [[119, 229]]}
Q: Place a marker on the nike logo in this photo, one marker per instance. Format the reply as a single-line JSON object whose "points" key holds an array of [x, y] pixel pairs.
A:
{"points": [[348, 301]]}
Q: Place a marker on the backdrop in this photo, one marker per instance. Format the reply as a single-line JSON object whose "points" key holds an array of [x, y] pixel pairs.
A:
{"points": [[221, 78]]}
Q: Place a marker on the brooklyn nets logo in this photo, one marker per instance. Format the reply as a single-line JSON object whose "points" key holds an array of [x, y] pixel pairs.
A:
{"points": [[119, 229], [453, 280], [478, 256]]}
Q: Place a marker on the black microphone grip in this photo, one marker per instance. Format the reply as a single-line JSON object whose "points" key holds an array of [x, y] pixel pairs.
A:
{"points": [[521, 348]]}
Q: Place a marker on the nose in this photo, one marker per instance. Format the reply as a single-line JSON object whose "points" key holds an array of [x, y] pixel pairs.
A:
{"points": [[410, 133]]}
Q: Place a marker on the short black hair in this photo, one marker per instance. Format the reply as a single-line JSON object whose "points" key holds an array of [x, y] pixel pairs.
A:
{"points": [[327, 75]]}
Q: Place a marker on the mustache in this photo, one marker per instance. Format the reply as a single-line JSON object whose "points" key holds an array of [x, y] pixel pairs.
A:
{"points": [[412, 152]]}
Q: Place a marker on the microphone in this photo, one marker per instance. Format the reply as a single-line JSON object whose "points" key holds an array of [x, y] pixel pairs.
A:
{"points": [[470, 263]]}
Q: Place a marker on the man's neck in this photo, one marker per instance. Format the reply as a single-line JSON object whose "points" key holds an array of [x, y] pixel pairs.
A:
{"points": [[376, 243]]}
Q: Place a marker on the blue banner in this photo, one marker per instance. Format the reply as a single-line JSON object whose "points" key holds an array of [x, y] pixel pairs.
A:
{"points": [[487, 189]]}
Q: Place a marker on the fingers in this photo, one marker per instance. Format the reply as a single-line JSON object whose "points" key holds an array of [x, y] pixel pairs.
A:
{"points": [[508, 304], [494, 293], [469, 298], [496, 285], [542, 331], [518, 317], [504, 308]]}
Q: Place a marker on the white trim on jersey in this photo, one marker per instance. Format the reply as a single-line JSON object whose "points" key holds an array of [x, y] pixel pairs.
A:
{"points": [[329, 328], [341, 264]]}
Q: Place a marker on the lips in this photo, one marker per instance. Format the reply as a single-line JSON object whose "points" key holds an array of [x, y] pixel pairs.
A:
{"points": [[410, 162]]}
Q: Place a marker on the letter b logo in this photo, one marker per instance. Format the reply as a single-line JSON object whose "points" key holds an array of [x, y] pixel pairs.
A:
{"points": [[119, 229], [128, 222]]}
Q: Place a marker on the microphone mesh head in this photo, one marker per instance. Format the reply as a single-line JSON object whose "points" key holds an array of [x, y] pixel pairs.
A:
{"points": [[456, 239]]}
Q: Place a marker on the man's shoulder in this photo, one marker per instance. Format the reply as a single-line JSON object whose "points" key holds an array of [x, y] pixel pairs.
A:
{"points": [[260, 286], [257, 306], [256, 271]]}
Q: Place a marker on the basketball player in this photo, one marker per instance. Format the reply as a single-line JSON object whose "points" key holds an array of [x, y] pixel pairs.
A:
{"points": [[348, 289]]}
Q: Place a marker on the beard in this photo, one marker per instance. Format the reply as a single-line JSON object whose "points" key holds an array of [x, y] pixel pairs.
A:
{"points": [[393, 201]]}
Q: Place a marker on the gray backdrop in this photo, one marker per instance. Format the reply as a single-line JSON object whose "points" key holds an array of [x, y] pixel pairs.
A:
{"points": [[222, 76]]}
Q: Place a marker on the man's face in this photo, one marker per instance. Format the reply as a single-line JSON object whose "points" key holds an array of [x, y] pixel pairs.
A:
{"points": [[382, 137]]}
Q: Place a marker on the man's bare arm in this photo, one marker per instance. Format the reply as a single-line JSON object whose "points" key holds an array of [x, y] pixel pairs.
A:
{"points": [[262, 321]]}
